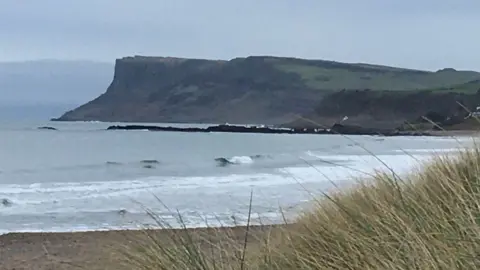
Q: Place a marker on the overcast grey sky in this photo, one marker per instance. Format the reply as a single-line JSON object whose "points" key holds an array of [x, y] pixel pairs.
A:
{"points": [[427, 34]]}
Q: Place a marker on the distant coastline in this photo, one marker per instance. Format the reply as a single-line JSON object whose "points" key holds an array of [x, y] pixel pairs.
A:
{"points": [[276, 90]]}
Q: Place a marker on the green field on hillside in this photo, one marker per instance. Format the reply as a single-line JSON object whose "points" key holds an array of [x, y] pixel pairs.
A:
{"points": [[468, 87], [327, 75]]}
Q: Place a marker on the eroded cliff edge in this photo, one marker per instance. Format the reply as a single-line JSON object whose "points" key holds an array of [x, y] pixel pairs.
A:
{"points": [[269, 90]]}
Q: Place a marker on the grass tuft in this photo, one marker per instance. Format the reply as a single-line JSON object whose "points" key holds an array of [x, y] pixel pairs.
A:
{"points": [[428, 219]]}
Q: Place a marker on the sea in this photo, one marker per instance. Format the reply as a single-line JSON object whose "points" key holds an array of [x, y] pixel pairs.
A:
{"points": [[82, 177]]}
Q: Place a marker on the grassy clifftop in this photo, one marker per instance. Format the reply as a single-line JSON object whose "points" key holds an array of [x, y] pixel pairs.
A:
{"points": [[319, 74]]}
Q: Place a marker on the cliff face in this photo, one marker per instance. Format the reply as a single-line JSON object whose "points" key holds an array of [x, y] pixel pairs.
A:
{"points": [[262, 90], [202, 91]]}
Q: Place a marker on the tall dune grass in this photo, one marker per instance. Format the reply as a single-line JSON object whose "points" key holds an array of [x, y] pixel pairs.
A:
{"points": [[429, 219]]}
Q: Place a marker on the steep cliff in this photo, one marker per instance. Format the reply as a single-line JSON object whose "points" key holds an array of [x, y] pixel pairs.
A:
{"points": [[147, 89], [266, 90]]}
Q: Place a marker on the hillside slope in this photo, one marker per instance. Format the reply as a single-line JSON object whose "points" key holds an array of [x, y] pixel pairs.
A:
{"points": [[259, 89], [389, 110]]}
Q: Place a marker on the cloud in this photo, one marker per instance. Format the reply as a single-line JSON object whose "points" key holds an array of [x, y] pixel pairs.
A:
{"points": [[420, 34]]}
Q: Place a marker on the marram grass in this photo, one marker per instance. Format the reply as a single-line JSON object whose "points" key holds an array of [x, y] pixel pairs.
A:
{"points": [[428, 219]]}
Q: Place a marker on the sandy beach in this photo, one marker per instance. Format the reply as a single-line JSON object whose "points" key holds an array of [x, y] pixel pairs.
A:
{"points": [[95, 250]]}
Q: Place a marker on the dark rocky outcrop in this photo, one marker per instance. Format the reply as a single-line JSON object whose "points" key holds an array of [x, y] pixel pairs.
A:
{"points": [[223, 128], [6, 202], [150, 161], [256, 90], [47, 128], [223, 162], [336, 129]]}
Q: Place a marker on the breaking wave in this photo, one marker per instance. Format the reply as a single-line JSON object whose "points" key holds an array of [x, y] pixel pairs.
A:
{"points": [[237, 160]]}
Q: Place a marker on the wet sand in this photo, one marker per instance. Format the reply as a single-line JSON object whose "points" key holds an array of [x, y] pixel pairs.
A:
{"points": [[95, 250]]}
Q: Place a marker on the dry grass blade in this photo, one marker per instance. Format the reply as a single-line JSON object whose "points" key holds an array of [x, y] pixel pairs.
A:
{"points": [[244, 251]]}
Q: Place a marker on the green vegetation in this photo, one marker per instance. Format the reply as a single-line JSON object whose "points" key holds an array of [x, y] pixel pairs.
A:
{"points": [[319, 74], [470, 87], [429, 219]]}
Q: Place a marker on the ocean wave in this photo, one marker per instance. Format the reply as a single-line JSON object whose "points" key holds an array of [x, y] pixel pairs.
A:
{"points": [[237, 160], [189, 219], [120, 187], [427, 151], [74, 198], [145, 163], [115, 195]]}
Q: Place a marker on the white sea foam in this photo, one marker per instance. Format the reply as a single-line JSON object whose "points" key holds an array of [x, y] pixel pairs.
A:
{"points": [[358, 166], [427, 151], [241, 160], [115, 195]]}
